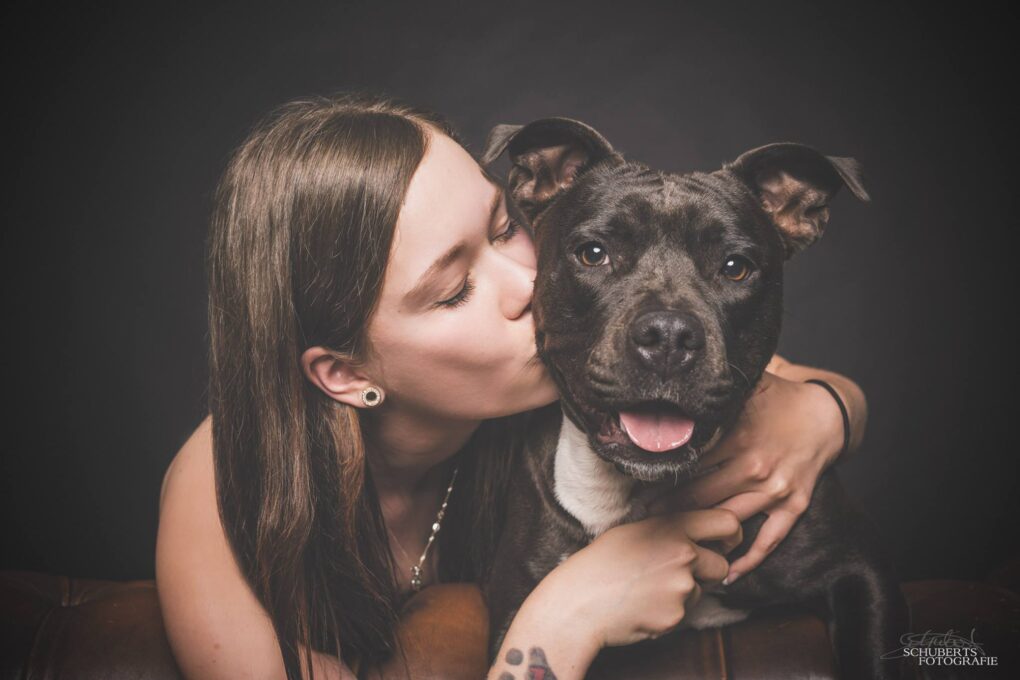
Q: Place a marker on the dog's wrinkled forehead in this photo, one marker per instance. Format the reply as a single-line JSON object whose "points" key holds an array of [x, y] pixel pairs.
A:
{"points": [[649, 208]]}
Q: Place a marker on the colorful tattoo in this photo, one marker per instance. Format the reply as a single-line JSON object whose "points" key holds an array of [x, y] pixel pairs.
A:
{"points": [[514, 657]]}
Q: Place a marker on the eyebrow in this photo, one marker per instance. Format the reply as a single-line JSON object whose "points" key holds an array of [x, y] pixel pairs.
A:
{"points": [[451, 255], [441, 263]]}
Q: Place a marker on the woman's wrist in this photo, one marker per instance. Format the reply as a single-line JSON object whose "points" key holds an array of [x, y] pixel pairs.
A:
{"points": [[548, 629], [851, 394], [829, 419]]}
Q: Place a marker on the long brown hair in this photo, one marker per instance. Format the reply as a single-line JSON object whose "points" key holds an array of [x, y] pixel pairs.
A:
{"points": [[298, 246]]}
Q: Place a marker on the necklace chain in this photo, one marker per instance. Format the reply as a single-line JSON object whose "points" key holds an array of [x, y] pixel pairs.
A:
{"points": [[416, 570]]}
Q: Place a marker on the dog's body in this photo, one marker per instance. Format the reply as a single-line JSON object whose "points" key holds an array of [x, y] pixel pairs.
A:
{"points": [[657, 308]]}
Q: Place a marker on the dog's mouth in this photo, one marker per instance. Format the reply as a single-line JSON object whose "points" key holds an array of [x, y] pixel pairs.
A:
{"points": [[652, 435], [655, 426]]}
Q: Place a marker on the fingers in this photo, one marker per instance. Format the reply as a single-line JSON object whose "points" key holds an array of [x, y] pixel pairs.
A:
{"points": [[693, 598], [725, 546], [710, 525], [728, 544], [710, 566], [715, 486], [774, 530], [747, 505], [723, 451], [690, 599]]}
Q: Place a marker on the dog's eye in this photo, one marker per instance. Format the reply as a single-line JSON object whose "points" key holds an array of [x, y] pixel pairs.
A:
{"points": [[737, 268], [592, 254]]}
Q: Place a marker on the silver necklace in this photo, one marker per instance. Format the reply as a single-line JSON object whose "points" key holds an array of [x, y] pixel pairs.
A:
{"points": [[416, 570]]}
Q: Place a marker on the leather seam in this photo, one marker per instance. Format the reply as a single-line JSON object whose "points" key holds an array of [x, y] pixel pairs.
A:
{"points": [[37, 642]]}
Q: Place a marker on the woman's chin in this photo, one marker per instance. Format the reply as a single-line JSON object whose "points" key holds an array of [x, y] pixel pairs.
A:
{"points": [[543, 394], [532, 396]]}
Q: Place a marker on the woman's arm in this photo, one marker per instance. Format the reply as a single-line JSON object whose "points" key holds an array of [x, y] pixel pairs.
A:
{"points": [[788, 434], [632, 583], [215, 624], [848, 390]]}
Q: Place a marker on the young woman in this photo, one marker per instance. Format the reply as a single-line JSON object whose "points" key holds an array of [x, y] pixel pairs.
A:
{"points": [[372, 360]]}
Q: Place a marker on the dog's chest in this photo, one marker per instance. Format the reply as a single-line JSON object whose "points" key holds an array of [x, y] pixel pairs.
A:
{"points": [[600, 497], [588, 487]]}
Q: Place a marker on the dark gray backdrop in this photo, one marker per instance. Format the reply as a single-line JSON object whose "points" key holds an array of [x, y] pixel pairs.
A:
{"points": [[120, 120]]}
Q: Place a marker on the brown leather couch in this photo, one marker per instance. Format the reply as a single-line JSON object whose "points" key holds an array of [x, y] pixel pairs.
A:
{"points": [[60, 627]]}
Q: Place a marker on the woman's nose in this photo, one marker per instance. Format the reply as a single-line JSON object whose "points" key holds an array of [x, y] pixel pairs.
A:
{"points": [[518, 284]]}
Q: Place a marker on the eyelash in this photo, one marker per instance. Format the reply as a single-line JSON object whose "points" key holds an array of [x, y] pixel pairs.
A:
{"points": [[469, 286], [512, 227], [462, 295]]}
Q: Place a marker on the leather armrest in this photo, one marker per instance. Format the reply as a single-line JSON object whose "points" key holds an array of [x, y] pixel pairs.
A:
{"points": [[60, 627]]}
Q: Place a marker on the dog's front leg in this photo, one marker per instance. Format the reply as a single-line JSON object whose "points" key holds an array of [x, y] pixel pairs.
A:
{"points": [[867, 615]]}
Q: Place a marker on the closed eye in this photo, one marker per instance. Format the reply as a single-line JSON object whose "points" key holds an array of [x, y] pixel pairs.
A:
{"points": [[512, 229], [461, 296]]}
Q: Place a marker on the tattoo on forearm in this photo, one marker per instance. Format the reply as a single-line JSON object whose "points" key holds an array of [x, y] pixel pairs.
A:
{"points": [[538, 667]]}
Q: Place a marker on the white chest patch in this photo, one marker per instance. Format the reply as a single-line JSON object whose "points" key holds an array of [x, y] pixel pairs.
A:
{"points": [[587, 487]]}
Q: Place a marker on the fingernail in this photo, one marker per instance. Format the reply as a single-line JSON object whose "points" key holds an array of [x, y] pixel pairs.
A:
{"points": [[731, 577]]}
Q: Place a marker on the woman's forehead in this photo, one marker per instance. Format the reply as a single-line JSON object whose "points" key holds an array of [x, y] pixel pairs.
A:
{"points": [[448, 200], [448, 182]]}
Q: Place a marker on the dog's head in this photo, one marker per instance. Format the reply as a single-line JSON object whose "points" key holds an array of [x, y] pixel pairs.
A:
{"points": [[659, 296]]}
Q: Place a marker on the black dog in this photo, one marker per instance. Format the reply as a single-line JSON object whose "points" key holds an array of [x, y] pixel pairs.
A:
{"points": [[657, 307]]}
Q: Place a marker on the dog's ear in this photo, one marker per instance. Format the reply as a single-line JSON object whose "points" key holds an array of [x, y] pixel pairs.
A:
{"points": [[546, 157], [795, 184]]}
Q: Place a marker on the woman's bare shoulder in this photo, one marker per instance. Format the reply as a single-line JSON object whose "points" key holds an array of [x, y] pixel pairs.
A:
{"points": [[216, 626], [213, 620], [194, 459]]}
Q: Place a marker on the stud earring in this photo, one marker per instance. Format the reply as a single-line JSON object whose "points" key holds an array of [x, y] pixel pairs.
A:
{"points": [[372, 396]]}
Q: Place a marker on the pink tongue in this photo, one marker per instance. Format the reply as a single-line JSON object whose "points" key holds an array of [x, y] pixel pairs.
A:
{"points": [[657, 430]]}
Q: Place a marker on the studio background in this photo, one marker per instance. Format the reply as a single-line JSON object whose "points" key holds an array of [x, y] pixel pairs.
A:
{"points": [[121, 119]]}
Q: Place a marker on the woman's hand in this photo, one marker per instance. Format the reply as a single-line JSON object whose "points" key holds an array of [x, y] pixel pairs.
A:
{"points": [[634, 582], [789, 432]]}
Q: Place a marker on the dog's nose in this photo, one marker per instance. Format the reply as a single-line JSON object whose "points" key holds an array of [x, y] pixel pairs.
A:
{"points": [[667, 340]]}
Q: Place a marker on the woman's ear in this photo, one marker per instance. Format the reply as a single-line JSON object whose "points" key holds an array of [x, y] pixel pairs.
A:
{"points": [[336, 375]]}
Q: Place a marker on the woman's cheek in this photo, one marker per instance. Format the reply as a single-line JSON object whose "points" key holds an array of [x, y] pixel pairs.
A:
{"points": [[522, 251], [472, 336], [448, 353]]}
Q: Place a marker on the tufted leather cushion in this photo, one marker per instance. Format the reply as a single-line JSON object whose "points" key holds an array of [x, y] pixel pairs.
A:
{"points": [[59, 627]]}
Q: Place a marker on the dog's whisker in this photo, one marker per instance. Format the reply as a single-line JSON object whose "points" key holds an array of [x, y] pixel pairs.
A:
{"points": [[742, 375]]}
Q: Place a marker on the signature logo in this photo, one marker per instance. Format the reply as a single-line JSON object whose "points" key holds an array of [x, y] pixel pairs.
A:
{"points": [[942, 649]]}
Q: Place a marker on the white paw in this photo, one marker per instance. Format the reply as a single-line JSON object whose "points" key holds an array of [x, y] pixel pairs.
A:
{"points": [[709, 612]]}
